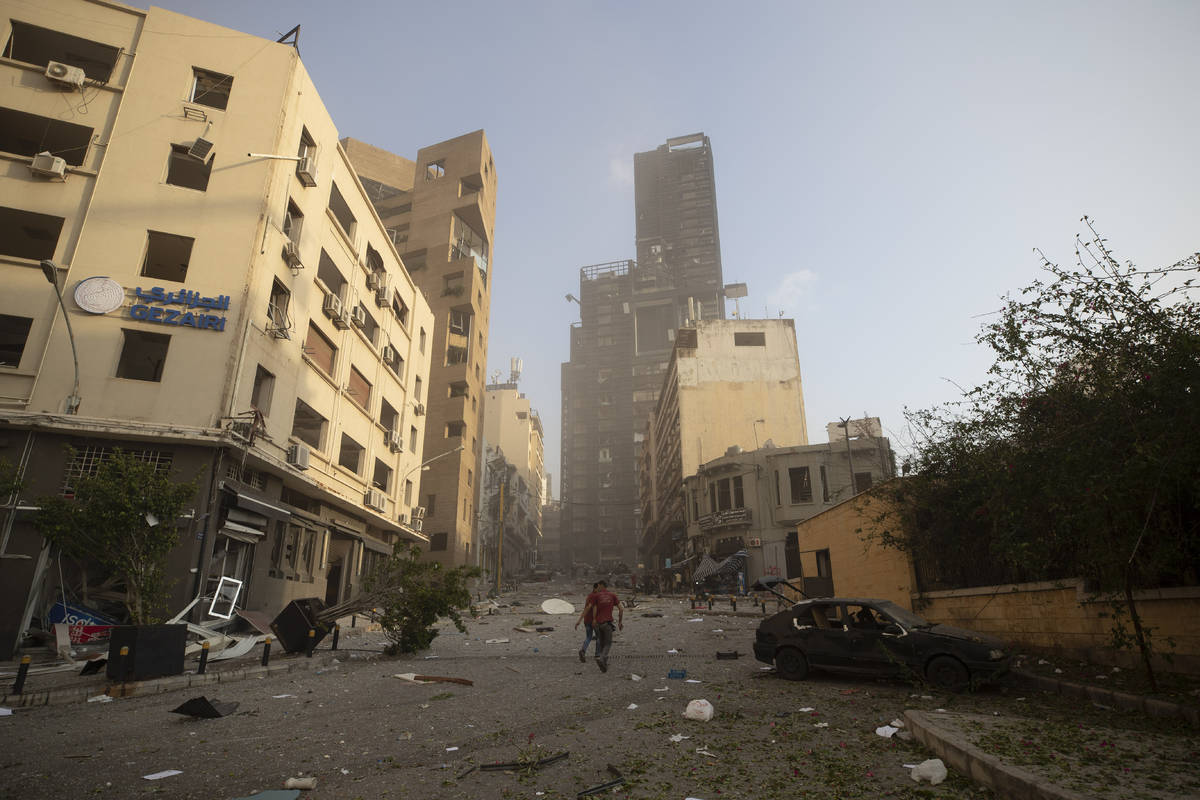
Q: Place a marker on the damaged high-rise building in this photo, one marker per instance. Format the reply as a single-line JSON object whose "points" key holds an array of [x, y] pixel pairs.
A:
{"points": [[629, 312]]}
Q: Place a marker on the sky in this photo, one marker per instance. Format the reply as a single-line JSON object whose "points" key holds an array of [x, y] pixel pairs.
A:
{"points": [[884, 170]]}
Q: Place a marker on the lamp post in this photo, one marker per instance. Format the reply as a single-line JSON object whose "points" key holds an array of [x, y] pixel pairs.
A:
{"points": [[757, 422], [50, 270]]}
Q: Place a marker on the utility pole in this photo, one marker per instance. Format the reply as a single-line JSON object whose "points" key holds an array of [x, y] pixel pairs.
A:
{"points": [[845, 424], [500, 540]]}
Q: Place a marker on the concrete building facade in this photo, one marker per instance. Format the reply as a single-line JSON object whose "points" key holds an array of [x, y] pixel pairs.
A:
{"points": [[729, 384], [244, 320], [513, 440], [629, 313], [440, 212]]}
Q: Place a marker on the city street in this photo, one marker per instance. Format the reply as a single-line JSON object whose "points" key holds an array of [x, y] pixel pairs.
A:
{"points": [[366, 734]]}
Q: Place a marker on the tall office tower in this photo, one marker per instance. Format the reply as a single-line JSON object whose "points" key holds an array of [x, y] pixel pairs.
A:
{"points": [[440, 212], [629, 312]]}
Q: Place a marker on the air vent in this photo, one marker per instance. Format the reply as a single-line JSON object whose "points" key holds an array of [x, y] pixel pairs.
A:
{"points": [[200, 149]]}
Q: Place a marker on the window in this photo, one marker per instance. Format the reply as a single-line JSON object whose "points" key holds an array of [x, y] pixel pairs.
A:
{"points": [[399, 309], [308, 145], [39, 46], [452, 284], [417, 384], [366, 323], [210, 88], [460, 322], [604, 456], [430, 505], [466, 242], [350, 454], [750, 339], [422, 340], [307, 425], [435, 169], [374, 260], [28, 134], [341, 212], [167, 256], [408, 490], [382, 477], [801, 485], [824, 565], [389, 417], [143, 355], [331, 276], [470, 185], [264, 387], [395, 362], [14, 333], [412, 439], [468, 477], [862, 481], [25, 234], [186, 171], [414, 261], [739, 497], [277, 309], [437, 542], [320, 350], [778, 500], [455, 428], [723, 498], [456, 355], [293, 221], [652, 328], [359, 388]]}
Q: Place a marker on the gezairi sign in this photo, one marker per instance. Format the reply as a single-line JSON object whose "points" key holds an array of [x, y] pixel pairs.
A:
{"points": [[154, 305]]}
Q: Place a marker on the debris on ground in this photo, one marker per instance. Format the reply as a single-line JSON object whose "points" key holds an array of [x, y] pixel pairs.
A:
{"points": [[524, 765], [932, 770], [273, 794], [677, 674], [309, 782], [557, 605], [166, 773], [203, 708], [703, 752], [729, 655], [617, 781], [496, 641], [700, 710], [100, 698], [678, 737], [631, 707], [525, 629]]}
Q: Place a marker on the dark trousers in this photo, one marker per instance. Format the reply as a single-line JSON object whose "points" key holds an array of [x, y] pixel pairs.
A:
{"points": [[604, 636]]}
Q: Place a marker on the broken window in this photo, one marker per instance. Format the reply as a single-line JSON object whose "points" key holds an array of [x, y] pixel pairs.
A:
{"points": [[293, 221], [330, 275], [460, 322], [26, 234], [350, 454], [277, 308], [452, 284], [435, 169], [39, 46], [264, 387], [395, 362], [412, 438], [466, 242], [458, 389], [359, 388], [801, 485], [652, 327], [307, 425], [399, 309], [320, 350], [210, 88], [366, 323], [456, 355], [186, 171], [167, 256], [422, 341], [824, 484], [374, 260], [437, 542], [455, 429], [470, 185], [750, 339], [143, 355], [14, 333], [862, 481], [381, 479], [28, 134], [389, 417], [342, 213], [417, 384]]}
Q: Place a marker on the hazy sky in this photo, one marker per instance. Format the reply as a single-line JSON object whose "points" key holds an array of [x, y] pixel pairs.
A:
{"points": [[883, 169]]}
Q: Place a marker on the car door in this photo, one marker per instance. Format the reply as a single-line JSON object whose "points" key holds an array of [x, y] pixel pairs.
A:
{"points": [[827, 642], [865, 648]]}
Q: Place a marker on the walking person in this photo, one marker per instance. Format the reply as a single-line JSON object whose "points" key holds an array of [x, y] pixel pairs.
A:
{"points": [[602, 602], [586, 617]]}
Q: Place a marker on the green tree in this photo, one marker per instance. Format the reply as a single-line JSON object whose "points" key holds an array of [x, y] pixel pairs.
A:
{"points": [[122, 519], [1080, 455], [413, 594]]}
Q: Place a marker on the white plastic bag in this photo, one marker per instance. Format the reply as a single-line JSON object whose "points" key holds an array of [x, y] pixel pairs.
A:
{"points": [[701, 710], [932, 770]]}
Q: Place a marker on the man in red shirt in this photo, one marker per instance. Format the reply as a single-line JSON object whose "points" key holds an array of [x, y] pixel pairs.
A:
{"points": [[586, 618], [601, 604]]}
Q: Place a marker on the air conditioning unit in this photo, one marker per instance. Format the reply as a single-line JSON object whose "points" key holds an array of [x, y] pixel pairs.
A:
{"points": [[306, 171], [372, 280], [402, 518], [342, 320], [756, 542], [417, 524], [242, 430], [49, 165], [418, 512], [419, 409], [65, 74], [200, 149], [299, 455], [359, 316], [374, 499], [395, 440], [291, 254], [388, 353]]}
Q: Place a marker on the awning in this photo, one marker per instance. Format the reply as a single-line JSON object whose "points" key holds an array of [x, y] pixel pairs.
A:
{"points": [[733, 564], [707, 567], [262, 507], [371, 543], [240, 533]]}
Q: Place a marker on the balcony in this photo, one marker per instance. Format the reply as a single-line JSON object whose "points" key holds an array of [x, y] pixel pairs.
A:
{"points": [[729, 518]]}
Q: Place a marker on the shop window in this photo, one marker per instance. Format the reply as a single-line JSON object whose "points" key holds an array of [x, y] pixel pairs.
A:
{"points": [[39, 46], [14, 333], [143, 355], [350, 454], [167, 256], [186, 171], [28, 134], [210, 88], [307, 425], [320, 350], [26, 234]]}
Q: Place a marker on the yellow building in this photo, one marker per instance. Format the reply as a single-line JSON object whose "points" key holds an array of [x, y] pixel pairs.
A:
{"points": [[512, 432], [237, 307]]}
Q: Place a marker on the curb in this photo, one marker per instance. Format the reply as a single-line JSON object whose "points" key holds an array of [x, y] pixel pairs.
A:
{"points": [[1006, 780], [57, 697], [1098, 694]]}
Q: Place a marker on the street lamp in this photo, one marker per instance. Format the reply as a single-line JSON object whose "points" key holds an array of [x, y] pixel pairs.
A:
{"points": [[50, 270], [757, 422], [425, 464]]}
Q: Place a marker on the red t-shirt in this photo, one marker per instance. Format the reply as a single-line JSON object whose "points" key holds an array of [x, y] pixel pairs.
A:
{"points": [[605, 602], [589, 613]]}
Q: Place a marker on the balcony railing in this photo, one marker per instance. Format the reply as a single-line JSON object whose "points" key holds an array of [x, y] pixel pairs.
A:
{"points": [[728, 518]]}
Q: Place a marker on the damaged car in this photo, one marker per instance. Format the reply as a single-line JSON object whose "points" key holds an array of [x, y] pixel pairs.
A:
{"points": [[873, 637]]}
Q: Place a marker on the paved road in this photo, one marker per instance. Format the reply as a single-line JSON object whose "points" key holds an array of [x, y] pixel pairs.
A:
{"points": [[366, 734]]}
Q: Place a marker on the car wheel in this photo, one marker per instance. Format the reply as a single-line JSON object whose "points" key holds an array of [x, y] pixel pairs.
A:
{"points": [[947, 672], [791, 664]]}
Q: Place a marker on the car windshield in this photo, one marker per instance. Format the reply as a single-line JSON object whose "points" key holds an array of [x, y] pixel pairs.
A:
{"points": [[902, 615]]}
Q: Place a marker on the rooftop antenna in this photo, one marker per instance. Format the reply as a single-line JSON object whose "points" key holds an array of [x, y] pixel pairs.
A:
{"points": [[736, 291], [496, 375], [292, 37], [514, 366]]}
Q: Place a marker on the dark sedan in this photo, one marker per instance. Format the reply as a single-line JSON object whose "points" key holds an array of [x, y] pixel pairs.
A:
{"points": [[875, 637]]}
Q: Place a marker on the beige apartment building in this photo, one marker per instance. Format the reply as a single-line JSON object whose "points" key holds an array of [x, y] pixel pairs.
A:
{"points": [[240, 314], [729, 383], [513, 442], [440, 212]]}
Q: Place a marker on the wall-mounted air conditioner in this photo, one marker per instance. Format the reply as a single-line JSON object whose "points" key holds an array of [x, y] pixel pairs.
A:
{"points": [[306, 171], [372, 280], [299, 455], [291, 254], [242, 430], [48, 165], [417, 524], [359, 316], [388, 353], [65, 74], [418, 512], [419, 409], [342, 320], [374, 499], [332, 306], [395, 440]]}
